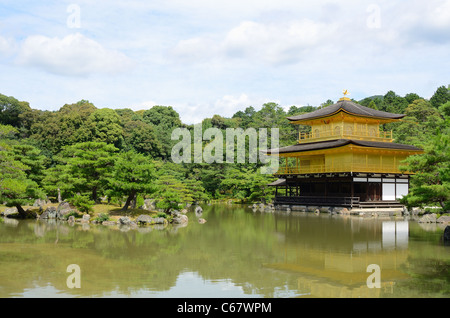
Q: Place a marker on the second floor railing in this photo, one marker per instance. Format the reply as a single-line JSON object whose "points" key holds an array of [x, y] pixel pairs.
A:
{"points": [[341, 167], [318, 135]]}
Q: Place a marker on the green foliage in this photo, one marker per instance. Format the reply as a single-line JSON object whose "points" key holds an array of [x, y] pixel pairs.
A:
{"points": [[102, 217], [104, 126], [440, 96], [161, 215], [16, 188], [163, 119], [133, 174], [82, 203], [11, 109], [420, 122], [171, 193], [91, 163], [431, 182]]}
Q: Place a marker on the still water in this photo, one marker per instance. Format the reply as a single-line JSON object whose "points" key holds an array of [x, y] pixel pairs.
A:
{"points": [[236, 253]]}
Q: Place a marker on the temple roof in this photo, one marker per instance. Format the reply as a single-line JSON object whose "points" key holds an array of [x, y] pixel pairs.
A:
{"points": [[349, 107], [340, 143], [279, 182]]}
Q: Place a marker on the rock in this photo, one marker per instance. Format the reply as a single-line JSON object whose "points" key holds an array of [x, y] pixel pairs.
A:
{"points": [[181, 219], [86, 218], [144, 219], [39, 203], [9, 211], [109, 223], [49, 213], [443, 219], [184, 211], [124, 220], [159, 221], [71, 219], [447, 234], [428, 218], [416, 211], [344, 211], [201, 221], [198, 209], [63, 209], [149, 205], [317, 211]]}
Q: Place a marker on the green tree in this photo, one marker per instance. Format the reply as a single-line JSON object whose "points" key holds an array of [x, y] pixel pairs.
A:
{"points": [[133, 174], [31, 157], [104, 125], [431, 182], [16, 189], [65, 127], [91, 164], [164, 119], [419, 124], [11, 109], [440, 96], [171, 193]]}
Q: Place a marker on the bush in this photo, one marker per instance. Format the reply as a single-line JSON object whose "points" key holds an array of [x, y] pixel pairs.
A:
{"points": [[161, 215], [75, 214], [102, 217], [82, 203]]}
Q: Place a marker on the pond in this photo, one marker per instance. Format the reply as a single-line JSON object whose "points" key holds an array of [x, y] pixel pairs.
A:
{"points": [[237, 253]]}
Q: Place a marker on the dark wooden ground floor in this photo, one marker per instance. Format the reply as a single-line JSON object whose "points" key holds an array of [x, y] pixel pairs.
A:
{"points": [[352, 190]]}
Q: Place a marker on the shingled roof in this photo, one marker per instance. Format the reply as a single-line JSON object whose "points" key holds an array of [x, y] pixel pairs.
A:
{"points": [[347, 106], [340, 143]]}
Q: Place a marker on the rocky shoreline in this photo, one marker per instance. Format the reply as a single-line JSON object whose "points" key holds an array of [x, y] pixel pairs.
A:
{"points": [[67, 213]]}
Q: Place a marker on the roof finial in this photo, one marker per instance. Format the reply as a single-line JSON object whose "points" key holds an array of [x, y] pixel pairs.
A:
{"points": [[345, 95]]}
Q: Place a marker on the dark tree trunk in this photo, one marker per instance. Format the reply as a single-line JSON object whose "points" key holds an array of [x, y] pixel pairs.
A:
{"points": [[129, 199], [21, 211]]}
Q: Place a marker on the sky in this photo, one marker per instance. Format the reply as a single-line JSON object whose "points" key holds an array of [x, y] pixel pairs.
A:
{"points": [[218, 57]]}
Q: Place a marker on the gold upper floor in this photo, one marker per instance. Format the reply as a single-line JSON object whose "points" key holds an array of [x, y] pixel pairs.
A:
{"points": [[344, 126]]}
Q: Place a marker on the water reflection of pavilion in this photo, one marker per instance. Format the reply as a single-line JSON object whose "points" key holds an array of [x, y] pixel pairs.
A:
{"points": [[332, 256]]}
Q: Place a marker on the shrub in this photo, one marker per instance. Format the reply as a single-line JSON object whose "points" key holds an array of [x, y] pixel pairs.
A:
{"points": [[75, 214], [161, 215], [82, 203], [102, 217]]}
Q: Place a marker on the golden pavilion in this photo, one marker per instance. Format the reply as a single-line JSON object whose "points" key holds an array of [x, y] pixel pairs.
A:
{"points": [[345, 159]]}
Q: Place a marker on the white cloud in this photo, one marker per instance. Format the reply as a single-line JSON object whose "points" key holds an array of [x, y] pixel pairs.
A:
{"points": [[73, 55], [273, 43], [7, 46], [276, 43]]}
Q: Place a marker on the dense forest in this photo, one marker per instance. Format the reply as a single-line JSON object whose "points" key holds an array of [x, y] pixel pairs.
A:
{"points": [[86, 154]]}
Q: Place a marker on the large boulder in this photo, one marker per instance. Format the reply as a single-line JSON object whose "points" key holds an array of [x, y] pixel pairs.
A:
{"points": [[49, 213], [144, 219], [63, 209], [180, 219], [428, 218], [124, 220], [447, 234], [9, 212], [443, 219]]}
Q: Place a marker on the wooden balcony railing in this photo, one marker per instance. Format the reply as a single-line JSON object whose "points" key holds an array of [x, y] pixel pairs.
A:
{"points": [[341, 167], [384, 136]]}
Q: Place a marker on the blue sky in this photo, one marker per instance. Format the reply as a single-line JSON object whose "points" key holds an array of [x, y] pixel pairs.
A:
{"points": [[218, 57]]}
